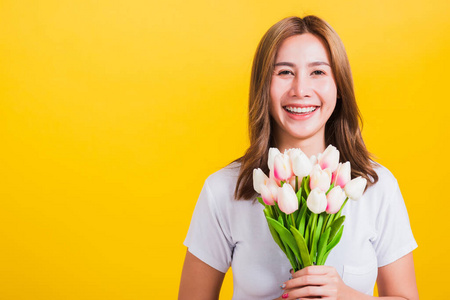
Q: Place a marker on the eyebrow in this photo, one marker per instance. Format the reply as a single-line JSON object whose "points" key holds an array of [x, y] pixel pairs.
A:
{"points": [[311, 64]]}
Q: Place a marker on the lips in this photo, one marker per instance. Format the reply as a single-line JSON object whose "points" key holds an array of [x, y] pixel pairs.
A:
{"points": [[304, 110]]}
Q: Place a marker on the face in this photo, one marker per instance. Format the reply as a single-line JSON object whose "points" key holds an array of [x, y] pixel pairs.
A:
{"points": [[302, 91]]}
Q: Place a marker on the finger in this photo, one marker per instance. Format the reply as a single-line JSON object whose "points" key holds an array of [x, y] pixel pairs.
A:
{"points": [[306, 280], [312, 270], [291, 296], [308, 292]]}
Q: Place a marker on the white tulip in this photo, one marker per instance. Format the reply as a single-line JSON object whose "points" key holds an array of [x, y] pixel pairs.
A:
{"points": [[287, 199], [301, 165], [320, 178], [259, 179], [269, 192], [335, 199], [342, 175], [272, 153], [355, 188], [329, 159], [317, 201]]}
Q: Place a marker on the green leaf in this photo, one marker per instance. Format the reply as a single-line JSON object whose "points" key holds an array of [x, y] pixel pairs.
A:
{"points": [[295, 215], [303, 200], [317, 233], [312, 230], [336, 239], [324, 258], [290, 255], [301, 243], [285, 235], [335, 227], [268, 212], [260, 200], [276, 237], [306, 185], [308, 229], [299, 194], [280, 219], [321, 249], [301, 219]]}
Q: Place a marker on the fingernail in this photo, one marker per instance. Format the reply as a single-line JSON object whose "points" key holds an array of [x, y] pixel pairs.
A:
{"points": [[284, 296], [290, 271], [283, 285]]}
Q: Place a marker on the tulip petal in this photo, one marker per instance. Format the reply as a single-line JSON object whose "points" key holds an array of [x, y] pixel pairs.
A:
{"points": [[355, 188], [287, 199], [329, 158], [317, 201], [335, 199], [259, 179], [272, 153], [282, 167]]}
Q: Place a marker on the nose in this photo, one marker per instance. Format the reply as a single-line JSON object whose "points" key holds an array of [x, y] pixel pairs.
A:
{"points": [[301, 87]]}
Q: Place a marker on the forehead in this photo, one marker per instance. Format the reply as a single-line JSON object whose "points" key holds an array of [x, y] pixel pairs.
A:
{"points": [[302, 48]]}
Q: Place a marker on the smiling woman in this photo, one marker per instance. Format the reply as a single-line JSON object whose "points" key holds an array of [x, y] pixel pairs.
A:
{"points": [[301, 96], [302, 91]]}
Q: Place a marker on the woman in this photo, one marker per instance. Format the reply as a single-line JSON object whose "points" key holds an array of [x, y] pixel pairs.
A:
{"points": [[301, 96]]}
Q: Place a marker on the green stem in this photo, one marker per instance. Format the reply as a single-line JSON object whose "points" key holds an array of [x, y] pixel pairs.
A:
{"points": [[293, 220], [274, 212], [305, 183], [342, 207], [325, 224]]}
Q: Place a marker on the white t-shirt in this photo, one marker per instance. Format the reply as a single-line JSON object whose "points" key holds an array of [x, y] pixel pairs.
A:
{"points": [[225, 232]]}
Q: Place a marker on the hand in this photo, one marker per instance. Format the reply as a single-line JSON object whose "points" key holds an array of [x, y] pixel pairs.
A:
{"points": [[315, 282]]}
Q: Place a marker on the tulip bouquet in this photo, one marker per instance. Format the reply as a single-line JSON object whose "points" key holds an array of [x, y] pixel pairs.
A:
{"points": [[303, 199]]}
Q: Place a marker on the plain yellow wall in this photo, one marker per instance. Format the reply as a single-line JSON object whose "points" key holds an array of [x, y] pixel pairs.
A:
{"points": [[113, 113]]}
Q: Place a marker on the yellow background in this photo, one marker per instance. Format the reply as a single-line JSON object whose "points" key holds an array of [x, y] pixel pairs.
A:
{"points": [[113, 113]]}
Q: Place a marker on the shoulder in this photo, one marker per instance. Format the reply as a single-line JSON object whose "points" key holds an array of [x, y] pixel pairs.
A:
{"points": [[223, 181], [382, 194], [386, 180]]}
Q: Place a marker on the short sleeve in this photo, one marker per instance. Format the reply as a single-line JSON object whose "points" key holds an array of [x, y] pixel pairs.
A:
{"points": [[208, 237], [394, 236]]}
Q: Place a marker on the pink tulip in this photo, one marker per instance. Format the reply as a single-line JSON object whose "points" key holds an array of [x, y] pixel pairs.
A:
{"points": [[272, 176], [301, 165], [282, 169], [269, 192], [317, 201], [342, 175], [355, 188], [272, 153], [259, 179], [335, 198], [287, 199], [320, 178], [329, 159]]}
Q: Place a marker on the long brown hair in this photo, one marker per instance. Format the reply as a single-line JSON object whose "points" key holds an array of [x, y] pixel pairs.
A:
{"points": [[342, 129]]}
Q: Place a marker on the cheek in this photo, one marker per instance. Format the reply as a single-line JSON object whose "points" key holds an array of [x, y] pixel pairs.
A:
{"points": [[330, 94], [273, 99]]}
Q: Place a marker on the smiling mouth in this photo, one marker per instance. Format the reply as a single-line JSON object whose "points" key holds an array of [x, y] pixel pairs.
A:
{"points": [[300, 110]]}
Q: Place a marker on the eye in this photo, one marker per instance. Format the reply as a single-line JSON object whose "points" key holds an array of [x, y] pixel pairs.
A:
{"points": [[285, 72], [318, 72]]}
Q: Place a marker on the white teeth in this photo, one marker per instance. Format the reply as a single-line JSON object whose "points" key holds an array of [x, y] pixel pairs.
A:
{"points": [[301, 110]]}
